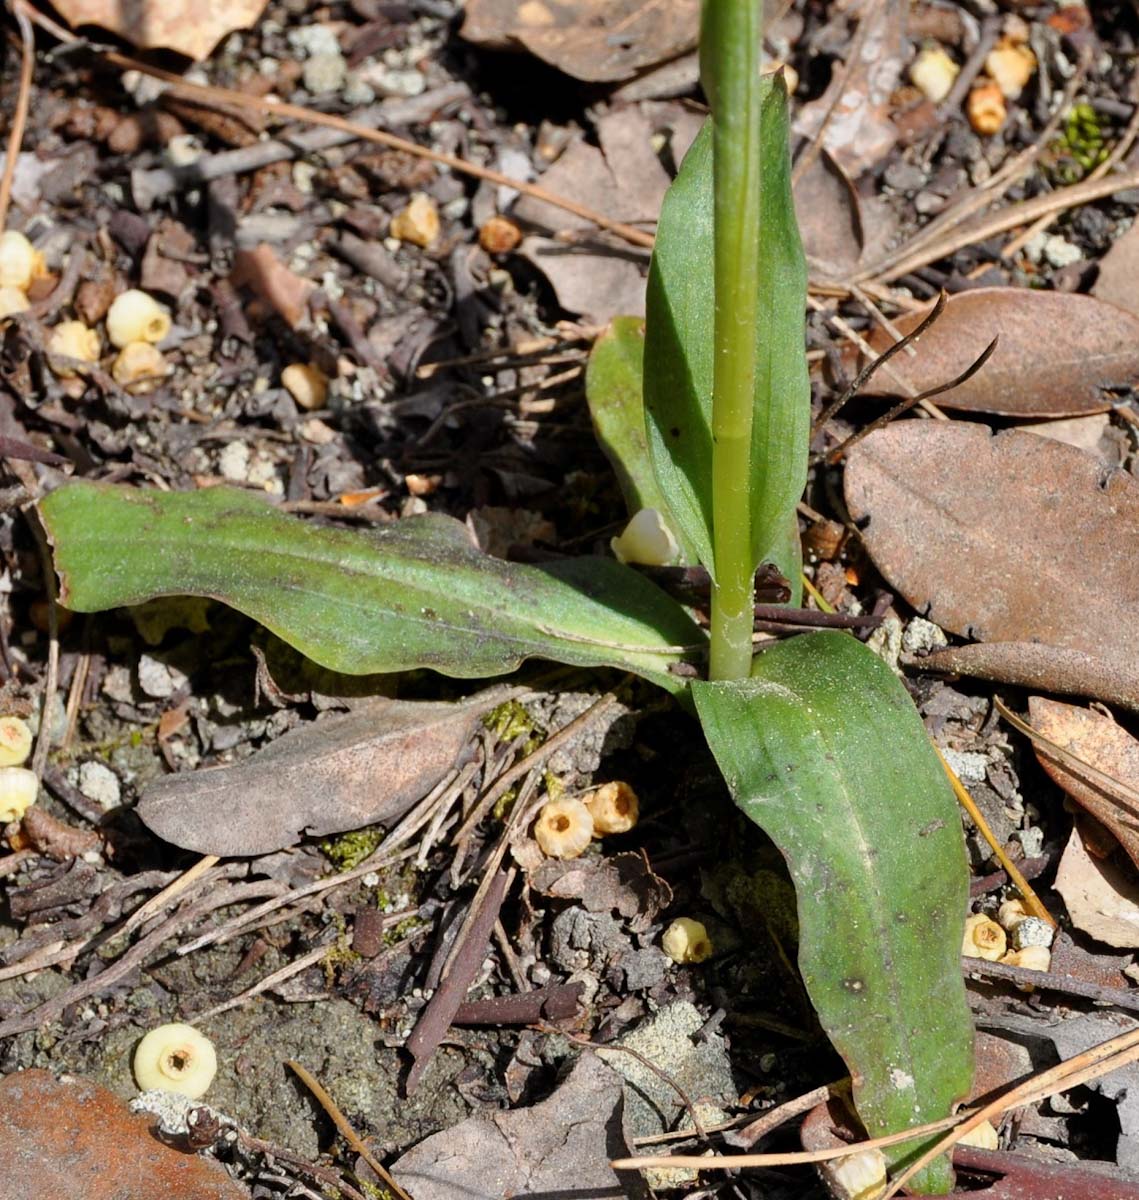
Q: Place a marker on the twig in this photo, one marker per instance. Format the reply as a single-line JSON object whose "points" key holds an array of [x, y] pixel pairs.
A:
{"points": [[51, 678], [20, 116], [990, 30], [271, 980], [769, 1121], [168, 894], [1052, 981], [341, 1122]]}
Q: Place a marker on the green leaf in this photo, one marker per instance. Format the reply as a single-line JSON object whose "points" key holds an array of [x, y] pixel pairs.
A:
{"points": [[413, 594], [614, 388], [824, 750], [679, 342]]}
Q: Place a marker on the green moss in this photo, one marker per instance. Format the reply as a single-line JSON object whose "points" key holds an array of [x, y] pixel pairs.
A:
{"points": [[348, 850], [510, 720], [1079, 149]]}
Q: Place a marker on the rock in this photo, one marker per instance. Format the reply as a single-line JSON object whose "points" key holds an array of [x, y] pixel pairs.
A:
{"points": [[99, 783], [325, 73]]}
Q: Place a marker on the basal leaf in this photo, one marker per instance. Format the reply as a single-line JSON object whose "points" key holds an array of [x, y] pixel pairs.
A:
{"points": [[679, 341], [823, 749], [414, 594]]}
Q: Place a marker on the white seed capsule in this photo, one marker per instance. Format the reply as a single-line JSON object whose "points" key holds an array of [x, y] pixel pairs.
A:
{"points": [[12, 301], [308, 385], [72, 339], [564, 828], [647, 540], [984, 1137], [175, 1058], [139, 368], [136, 317], [1032, 958], [15, 741], [933, 73], [858, 1176], [1032, 931], [20, 261], [686, 941], [18, 790], [983, 938], [614, 808]]}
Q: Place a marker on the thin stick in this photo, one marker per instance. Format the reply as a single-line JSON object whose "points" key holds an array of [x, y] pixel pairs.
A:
{"points": [[271, 980], [20, 116], [51, 679], [341, 1122], [296, 112], [169, 893], [1030, 898]]}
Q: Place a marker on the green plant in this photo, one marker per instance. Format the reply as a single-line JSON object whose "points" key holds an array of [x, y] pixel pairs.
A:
{"points": [[704, 410]]}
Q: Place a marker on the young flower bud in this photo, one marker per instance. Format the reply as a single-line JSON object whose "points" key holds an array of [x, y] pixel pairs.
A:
{"points": [[647, 540], [983, 938], [18, 790], [12, 301], [614, 808], [72, 339], [857, 1176], [136, 317], [418, 222], [20, 262], [933, 73], [686, 941], [175, 1058], [15, 741], [139, 368], [1032, 931], [985, 107], [564, 828], [308, 385]]}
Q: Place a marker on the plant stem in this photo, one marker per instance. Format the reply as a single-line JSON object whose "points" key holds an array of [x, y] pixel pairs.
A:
{"points": [[729, 46]]}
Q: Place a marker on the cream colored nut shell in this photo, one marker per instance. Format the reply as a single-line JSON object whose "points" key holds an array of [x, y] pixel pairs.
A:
{"points": [[175, 1058], [686, 941], [614, 808], [1010, 914], [984, 938], [1032, 958], [18, 790], [933, 73], [418, 223], [646, 540], [139, 368], [73, 339], [15, 741], [12, 301], [563, 829], [985, 108], [1010, 68], [20, 261], [135, 316], [308, 385], [984, 1137], [858, 1176]]}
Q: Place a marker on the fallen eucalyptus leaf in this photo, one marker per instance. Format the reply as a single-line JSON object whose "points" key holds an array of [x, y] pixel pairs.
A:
{"points": [[1102, 744], [1059, 353], [340, 773], [413, 594], [1101, 899], [624, 883], [1001, 538], [824, 750], [600, 41], [192, 28], [1051, 668]]}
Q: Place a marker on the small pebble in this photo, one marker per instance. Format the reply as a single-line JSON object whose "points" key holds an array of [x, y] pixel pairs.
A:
{"points": [[155, 678], [921, 636], [233, 462], [99, 783], [310, 40], [325, 73]]}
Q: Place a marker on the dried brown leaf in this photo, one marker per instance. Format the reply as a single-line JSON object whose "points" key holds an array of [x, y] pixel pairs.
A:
{"points": [[192, 27], [341, 773], [263, 272], [69, 1138], [1101, 899], [1118, 279], [1098, 741], [624, 883], [1005, 538], [601, 41], [1058, 352]]}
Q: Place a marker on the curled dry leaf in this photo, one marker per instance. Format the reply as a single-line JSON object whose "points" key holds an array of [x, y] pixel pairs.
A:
{"points": [[1003, 538], [263, 273], [1101, 899], [341, 773], [624, 883], [601, 41], [1098, 741], [192, 27], [1057, 356]]}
